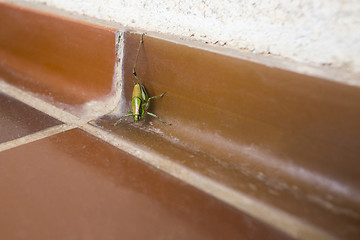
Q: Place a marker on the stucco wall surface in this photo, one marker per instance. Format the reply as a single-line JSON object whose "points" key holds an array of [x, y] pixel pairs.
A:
{"points": [[321, 32]]}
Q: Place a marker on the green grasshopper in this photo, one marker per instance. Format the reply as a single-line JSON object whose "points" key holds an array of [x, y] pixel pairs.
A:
{"points": [[140, 99]]}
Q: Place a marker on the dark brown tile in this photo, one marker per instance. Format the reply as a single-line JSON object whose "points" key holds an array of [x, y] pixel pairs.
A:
{"points": [[18, 119], [65, 60], [287, 139], [72, 185]]}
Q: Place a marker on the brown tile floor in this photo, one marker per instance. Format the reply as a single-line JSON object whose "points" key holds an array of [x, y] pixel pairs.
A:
{"points": [[242, 124], [235, 175], [18, 120], [75, 186]]}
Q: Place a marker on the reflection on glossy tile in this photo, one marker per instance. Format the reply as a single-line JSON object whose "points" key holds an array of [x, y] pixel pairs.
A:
{"points": [[64, 59], [18, 120], [72, 185]]}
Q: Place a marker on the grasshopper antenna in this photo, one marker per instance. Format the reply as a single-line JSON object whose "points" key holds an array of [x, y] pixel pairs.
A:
{"points": [[137, 56]]}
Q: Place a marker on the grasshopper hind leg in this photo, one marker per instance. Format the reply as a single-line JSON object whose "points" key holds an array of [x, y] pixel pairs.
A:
{"points": [[158, 118], [126, 115]]}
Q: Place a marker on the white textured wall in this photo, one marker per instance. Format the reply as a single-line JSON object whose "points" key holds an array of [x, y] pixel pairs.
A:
{"points": [[308, 31]]}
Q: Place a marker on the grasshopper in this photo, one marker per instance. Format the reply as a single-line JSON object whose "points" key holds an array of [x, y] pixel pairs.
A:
{"points": [[140, 99]]}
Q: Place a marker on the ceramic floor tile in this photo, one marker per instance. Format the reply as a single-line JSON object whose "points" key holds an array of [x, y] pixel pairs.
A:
{"points": [[294, 201], [18, 120], [74, 186]]}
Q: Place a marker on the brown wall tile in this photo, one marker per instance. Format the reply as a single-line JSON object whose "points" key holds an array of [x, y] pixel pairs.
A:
{"points": [[299, 119], [66, 60], [296, 138]]}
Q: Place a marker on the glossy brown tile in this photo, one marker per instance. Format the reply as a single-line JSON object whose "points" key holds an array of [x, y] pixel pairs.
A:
{"points": [[251, 104], [72, 185], [18, 119], [287, 139], [63, 59]]}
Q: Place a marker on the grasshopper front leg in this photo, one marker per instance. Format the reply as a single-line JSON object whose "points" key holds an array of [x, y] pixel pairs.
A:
{"points": [[161, 95], [147, 103]]}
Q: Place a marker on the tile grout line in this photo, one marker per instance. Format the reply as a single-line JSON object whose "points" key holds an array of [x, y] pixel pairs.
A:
{"points": [[39, 104], [273, 217], [35, 136], [70, 120]]}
